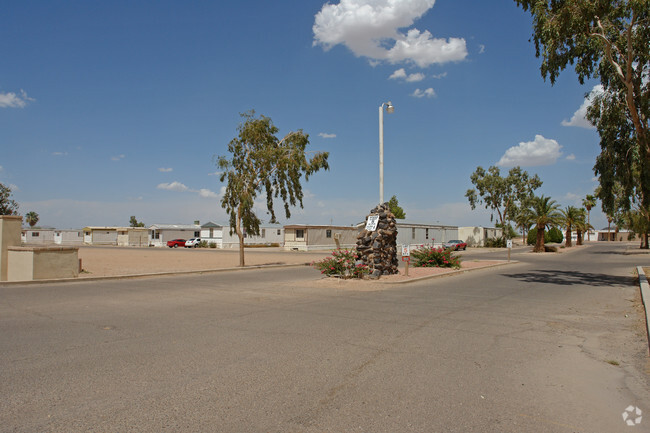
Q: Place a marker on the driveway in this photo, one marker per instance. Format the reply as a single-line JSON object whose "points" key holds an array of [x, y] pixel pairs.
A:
{"points": [[555, 343]]}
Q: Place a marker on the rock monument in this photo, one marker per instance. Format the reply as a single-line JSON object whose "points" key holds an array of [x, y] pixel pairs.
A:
{"points": [[377, 242]]}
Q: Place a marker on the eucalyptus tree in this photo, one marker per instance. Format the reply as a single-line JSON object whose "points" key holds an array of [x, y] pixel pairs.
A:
{"points": [[545, 214], [7, 205], [261, 163], [31, 218], [607, 40], [502, 195]]}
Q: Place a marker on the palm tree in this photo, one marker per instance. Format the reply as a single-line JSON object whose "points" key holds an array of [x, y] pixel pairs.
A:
{"points": [[524, 219], [570, 216], [588, 202], [31, 218], [582, 225], [545, 214]]}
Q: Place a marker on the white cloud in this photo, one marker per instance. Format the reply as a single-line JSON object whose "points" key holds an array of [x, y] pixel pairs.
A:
{"points": [[429, 93], [165, 169], [571, 157], [173, 186], [481, 48], [59, 153], [117, 158], [326, 135], [203, 192], [401, 74], [12, 100], [13, 187], [439, 76], [541, 151], [579, 118], [179, 187], [370, 28]]}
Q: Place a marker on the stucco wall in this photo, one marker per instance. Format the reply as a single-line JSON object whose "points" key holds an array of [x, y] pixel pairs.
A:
{"points": [[41, 263], [10, 230]]}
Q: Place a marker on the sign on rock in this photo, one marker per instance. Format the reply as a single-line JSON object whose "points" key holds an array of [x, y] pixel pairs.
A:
{"points": [[371, 224]]}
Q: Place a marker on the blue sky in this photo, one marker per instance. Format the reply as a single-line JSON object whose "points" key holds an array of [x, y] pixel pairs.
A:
{"points": [[113, 109]]}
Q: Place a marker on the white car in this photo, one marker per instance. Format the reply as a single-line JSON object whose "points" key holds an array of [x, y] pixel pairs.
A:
{"points": [[194, 242]]}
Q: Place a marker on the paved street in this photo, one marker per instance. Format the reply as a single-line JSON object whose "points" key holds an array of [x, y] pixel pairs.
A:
{"points": [[554, 343]]}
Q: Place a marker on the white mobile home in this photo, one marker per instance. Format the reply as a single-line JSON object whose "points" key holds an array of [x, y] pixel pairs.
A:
{"points": [[68, 237], [424, 234], [159, 234], [37, 236], [476, 236], [100, 235], [212, 233], [270, 235]]}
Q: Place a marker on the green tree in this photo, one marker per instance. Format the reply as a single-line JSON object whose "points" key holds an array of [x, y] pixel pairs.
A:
{"points": [[524, 219], [31, 218], [545, 214], [610, 41], [133, 222], [569, 218], [395, 208], [260, 163], [7, 205], [502, 195], [589, 202], [582, 225]]}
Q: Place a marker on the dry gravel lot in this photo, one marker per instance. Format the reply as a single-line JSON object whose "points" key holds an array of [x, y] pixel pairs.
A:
{"points": [[124, 261]]}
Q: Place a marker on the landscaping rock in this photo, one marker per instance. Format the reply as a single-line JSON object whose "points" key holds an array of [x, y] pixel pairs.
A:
{"points": [[378, 249]]}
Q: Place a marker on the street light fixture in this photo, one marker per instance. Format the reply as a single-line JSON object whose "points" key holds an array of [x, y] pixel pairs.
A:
{"points": [[389, 109]]}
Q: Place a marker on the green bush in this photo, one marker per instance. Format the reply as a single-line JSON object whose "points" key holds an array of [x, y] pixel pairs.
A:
{"points": [[495, 242], [342, 263], [202, 244], [213, 245], [552, 235], [430, 257]]}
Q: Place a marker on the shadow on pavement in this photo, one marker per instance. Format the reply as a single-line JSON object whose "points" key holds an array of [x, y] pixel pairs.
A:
{"points": [[569, 278]]}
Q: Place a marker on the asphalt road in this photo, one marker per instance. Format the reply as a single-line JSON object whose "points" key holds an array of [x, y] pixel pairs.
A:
{"points": [[555, 343]]}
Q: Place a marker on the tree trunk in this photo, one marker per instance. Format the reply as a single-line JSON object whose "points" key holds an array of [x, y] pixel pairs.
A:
{"points": [[645, 237], [579, 233], [568, 242], [240, 235], [539, 245]]}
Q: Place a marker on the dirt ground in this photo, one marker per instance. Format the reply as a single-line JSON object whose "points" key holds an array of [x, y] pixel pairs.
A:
{"points": [[119, 261]]}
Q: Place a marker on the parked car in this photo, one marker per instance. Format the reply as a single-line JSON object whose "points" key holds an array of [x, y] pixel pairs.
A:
{"points": [[194, 242], [455, 245], [175, 243]]}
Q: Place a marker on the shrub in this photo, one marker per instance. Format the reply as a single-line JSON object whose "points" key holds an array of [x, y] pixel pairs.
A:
{"points": [[495, 242], [213, 245], [202, 244], [342, 263], [431, 257], [550, 236]]}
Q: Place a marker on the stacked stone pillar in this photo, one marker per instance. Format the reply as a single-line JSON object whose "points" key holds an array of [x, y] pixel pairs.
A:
{"points": [[378, 248]]}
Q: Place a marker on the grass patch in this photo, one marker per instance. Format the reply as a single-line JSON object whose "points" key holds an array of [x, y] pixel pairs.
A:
{"points": [[612, 362]]}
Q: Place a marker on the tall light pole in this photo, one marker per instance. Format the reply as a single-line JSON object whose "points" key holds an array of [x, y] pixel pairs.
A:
{"points": [[389, 109]]}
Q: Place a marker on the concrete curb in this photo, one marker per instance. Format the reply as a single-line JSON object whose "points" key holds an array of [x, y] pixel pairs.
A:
{"points": [[448, 274], [645, 297], [150, 275]]}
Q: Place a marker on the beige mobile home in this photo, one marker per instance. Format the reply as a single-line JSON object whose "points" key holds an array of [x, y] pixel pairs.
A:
{"points": [[313, 237]]}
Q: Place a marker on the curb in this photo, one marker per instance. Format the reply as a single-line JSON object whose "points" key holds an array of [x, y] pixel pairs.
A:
{"points": [[150, 275], [645, 297], [447, 274]]}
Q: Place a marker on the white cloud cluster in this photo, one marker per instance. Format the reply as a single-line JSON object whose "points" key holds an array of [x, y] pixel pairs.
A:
{"points": [[429, 93], [540, 151], [401, 74], [180, 187], [326, 135], [371, 28], [12, 100], [118, 157], [579, 118]]}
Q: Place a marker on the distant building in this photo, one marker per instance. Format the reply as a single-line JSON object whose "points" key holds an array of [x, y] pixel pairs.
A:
{"points": [[476, 236], [319, 237], [270, 235], [424, 234], [68, 237], [37, 236], [159, 234]]}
